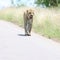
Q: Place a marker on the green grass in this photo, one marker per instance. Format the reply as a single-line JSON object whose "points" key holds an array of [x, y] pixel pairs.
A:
{"points": [[46, 24]]}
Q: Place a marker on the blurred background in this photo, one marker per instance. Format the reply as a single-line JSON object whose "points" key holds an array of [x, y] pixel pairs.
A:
{"points": [[46, 19], [30, 3]]}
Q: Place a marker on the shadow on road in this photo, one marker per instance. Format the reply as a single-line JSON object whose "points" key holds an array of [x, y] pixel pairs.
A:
{"points": [[21, 34]]}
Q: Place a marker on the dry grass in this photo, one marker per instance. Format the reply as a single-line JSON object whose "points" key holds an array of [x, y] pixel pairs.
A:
{"points": [[48, 22]]}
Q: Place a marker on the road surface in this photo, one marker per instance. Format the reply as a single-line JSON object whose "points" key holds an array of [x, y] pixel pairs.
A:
{"points": [[15, 46]]}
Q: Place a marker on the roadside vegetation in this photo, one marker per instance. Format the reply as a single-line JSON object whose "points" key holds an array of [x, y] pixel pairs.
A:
{"points": [[46, 20]]}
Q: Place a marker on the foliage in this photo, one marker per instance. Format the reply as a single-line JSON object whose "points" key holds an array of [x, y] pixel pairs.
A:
{"points": [[16, 3], [47, 3]]}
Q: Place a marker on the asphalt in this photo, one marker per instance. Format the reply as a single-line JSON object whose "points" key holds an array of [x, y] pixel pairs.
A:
{"points": [[15, 46]]}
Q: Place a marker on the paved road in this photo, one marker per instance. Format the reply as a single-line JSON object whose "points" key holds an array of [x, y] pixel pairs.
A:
{"points": [[15, 46]]}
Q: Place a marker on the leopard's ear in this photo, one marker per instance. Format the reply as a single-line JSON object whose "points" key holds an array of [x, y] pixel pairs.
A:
{"points": [[27, 11], [33, 13]]}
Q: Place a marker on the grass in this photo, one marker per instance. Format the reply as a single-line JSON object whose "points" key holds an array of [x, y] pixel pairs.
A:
{"points": [[48, 29], [46, 20], [13, 15], [47, 23]]}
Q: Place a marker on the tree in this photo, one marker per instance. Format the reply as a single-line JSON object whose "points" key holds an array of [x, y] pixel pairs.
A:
{"points": [[12, 3], [58, 1], [15, 3], [53, 2], [47, 3], [38, 2]]}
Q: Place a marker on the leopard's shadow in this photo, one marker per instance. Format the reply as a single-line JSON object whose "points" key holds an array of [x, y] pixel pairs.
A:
{"points": [[21, 34]]}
